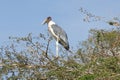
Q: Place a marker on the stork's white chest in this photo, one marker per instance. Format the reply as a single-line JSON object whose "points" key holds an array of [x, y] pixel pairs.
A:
{"points": [[51, 29]]}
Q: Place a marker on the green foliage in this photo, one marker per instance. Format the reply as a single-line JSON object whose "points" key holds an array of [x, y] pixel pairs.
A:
{"points": [[87, 77], [31, 58]]}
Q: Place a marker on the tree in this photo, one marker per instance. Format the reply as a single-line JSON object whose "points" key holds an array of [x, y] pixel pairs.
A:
{"points": [[97, 58]]}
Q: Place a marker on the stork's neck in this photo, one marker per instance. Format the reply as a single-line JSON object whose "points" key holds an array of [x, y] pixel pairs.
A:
{"points": [[50, 23]]}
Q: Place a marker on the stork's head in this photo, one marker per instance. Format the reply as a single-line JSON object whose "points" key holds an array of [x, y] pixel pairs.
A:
{"points": [[47, 20]]}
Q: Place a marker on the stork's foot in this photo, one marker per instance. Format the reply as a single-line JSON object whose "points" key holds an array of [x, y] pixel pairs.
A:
{"points": [[56, 58]]}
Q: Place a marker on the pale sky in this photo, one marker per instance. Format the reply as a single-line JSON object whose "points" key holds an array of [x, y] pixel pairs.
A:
{"points": [[20, 17]]}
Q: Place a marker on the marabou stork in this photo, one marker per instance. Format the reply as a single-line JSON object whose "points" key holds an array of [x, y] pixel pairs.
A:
{"points": [[58, 33]]}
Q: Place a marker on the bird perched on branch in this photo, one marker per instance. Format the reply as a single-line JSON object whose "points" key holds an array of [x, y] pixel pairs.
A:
{"points": [[58, 33]]}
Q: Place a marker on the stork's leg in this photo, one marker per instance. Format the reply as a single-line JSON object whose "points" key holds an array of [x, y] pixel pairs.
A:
{"points": [[57, 45]]}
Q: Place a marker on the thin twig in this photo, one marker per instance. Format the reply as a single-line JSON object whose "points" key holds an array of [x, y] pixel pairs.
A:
{"points": [[47, 47]]}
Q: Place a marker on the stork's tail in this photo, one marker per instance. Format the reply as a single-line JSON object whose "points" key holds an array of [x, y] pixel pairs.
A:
{"points": [[66, 47]]}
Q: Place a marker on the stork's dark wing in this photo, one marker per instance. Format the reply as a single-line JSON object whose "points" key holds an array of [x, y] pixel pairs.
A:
{"points": [[63, 39]]}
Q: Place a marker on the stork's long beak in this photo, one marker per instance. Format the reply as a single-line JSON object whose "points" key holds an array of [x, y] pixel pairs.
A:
{"points": [[44, 22]]}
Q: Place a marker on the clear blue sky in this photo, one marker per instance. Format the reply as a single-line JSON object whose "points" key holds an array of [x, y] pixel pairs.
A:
{"points": [[20, 17]]}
